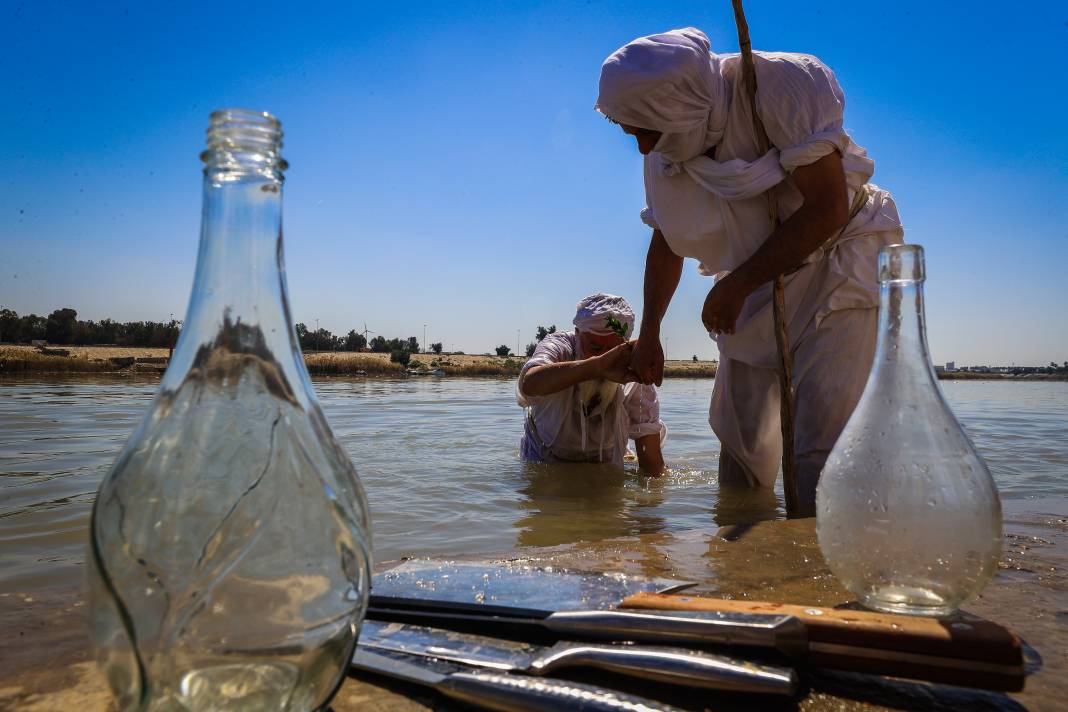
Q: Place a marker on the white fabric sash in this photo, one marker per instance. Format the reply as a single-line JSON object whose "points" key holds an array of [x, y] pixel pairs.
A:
{"points": [[735, 179]]}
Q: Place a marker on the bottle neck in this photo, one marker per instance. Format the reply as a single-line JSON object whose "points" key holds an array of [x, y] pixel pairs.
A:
{"points": [[238, 311], [902, 352]]}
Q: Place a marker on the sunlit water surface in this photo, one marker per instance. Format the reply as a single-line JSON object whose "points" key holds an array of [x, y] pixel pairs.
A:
{"points": [[438, 458]]}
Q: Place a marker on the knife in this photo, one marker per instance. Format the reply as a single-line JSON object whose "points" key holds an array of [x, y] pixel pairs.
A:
{"points": [[670, 665], [504, 692], [972, 652], [782, 633]]}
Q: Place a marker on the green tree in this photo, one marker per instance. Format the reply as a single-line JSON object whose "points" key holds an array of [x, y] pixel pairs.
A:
{"points": [[354, 341], [412, 345], [378, 344], [302, 336], [530, 349], [59, 329], [9, 325], [503, 350], [400, 356], [32, 327], [436, 347], [543, 332]]}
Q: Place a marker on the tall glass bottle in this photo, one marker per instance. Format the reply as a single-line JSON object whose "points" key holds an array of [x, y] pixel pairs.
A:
{"points": [[908, 516], [230, 544]]}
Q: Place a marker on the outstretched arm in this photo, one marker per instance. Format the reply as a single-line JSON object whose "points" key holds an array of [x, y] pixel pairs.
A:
{"points": [[824, 212], [663, 268], [550, 378]]}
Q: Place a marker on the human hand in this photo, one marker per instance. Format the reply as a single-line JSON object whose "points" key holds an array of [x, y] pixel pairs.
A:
{"points": [[722, 306], [647, 360], [614, 364]]}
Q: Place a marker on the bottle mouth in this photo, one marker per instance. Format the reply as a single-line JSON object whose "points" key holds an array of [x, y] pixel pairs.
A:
{"points": [[243, 140], [901, 264]]}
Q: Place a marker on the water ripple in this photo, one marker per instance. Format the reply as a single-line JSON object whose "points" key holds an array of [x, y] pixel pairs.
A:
{"points": [[439, 460]]}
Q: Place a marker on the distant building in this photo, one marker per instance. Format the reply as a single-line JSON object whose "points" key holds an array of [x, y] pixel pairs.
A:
{"points": [[940, 369], [951, 365]]}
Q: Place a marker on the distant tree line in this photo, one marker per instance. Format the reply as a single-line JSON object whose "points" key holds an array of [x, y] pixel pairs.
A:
{"points": [[325, 340], [64, 327]]}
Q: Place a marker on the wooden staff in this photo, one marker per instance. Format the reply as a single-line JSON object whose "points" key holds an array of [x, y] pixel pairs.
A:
{"points": [[782, 339]]}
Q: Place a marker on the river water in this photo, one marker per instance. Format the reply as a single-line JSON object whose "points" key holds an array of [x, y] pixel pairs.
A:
{"points": [[439, 460]]}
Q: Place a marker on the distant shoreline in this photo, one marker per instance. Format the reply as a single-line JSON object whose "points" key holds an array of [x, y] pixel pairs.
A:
{"points": [[116, 359]]}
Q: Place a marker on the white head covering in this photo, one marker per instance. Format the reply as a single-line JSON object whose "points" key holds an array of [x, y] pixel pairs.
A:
{"points": [[672, 83], [593, 312]]}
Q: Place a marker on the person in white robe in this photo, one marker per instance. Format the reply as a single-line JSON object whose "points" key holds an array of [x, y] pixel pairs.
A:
{"points": [[581, 402], [705, 190]]}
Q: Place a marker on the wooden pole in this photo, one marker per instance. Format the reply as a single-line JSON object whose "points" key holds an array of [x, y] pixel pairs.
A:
{"points": [[782, 339]]}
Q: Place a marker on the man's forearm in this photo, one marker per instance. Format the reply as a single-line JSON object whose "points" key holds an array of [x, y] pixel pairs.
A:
{"points": [[663, 268], [554, 377], [794, 240], [824, 212]]}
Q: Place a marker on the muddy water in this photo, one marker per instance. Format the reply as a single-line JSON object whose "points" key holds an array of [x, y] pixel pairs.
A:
{"points": [[439, 460]]}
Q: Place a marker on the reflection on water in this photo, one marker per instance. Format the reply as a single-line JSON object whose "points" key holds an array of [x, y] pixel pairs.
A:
{"points": [[439, 460], [742, 506], [570, 502]]}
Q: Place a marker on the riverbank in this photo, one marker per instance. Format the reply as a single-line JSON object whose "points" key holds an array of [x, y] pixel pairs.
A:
{"points": [[48, 660], [106, 359], [101, 359]]}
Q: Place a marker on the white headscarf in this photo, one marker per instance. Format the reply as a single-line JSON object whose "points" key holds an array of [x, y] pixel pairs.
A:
{"points": [[592, 314], [672, 83]]}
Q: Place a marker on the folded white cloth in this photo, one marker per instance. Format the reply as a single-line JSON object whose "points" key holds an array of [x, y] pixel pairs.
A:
{"points": [[596, 312]]}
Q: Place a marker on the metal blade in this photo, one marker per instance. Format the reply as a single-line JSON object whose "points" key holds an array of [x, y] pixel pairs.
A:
{"points": [[507, 582], [384, 664], [473, 650]]}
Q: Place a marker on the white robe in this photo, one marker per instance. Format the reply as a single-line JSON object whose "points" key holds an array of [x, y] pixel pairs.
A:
{"points": [[558, 428], [801, 106]]}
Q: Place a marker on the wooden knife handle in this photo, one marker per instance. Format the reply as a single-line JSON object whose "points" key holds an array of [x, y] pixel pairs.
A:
{"points": [[965, 652]]}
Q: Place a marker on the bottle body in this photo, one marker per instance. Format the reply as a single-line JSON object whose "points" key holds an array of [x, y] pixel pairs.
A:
{"points": [[229, 559], [908, 516]]}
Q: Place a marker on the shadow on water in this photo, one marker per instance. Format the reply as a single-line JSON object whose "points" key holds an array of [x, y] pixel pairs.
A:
{"points": [[564, 503], [737, 509]]}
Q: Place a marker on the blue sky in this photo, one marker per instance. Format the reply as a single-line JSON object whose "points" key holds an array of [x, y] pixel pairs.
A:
{"points": [[447, 167]]}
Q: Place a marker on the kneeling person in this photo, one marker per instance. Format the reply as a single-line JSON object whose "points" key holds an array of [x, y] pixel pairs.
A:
{"points": [[580, 405]]}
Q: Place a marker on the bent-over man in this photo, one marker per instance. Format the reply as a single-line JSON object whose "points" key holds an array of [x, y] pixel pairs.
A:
{"points": [[705, 191]]}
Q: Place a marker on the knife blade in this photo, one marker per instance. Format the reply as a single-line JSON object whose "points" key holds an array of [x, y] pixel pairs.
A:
{"points": [[504, 692], [782, 633], [669, 665], [536, 585]]}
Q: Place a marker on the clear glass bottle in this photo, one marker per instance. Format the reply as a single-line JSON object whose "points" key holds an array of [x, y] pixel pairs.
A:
{"points": [[230, 543], [908, 516]]}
